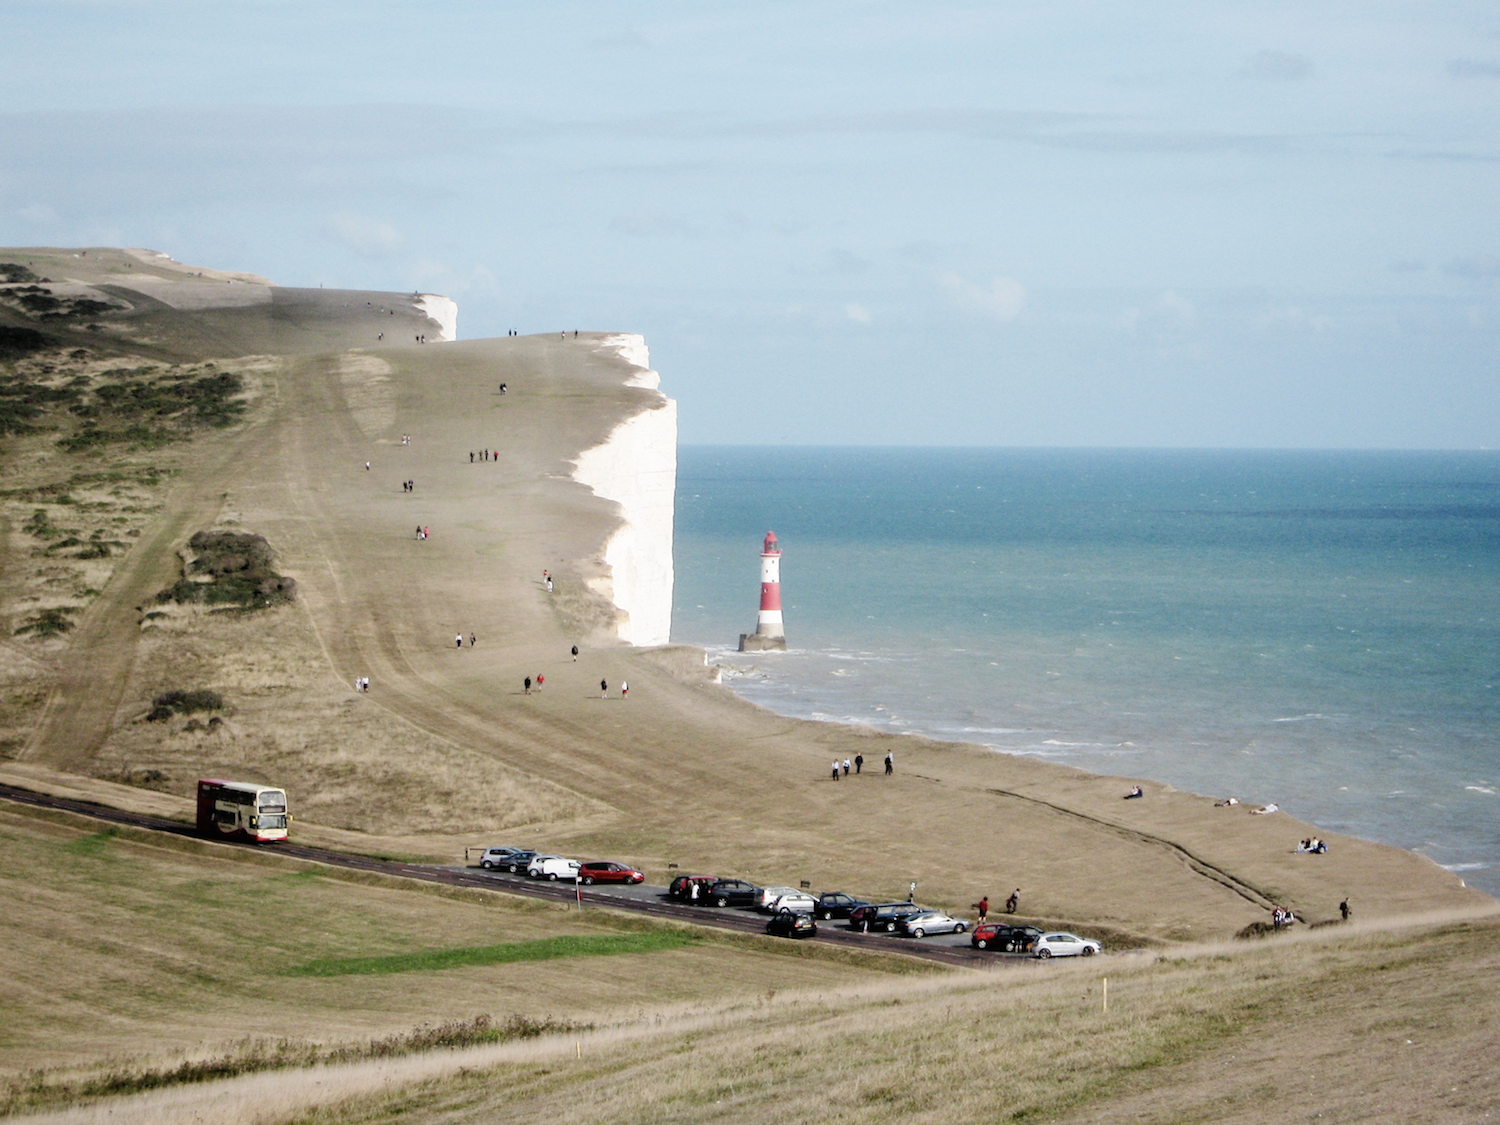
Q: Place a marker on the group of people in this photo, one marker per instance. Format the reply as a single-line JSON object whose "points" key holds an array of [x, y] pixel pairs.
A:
{"points": [[362, 683], [1281, 918], [842, 770], [485, 455], [983, 905], [408, 486], [1312, 846], [458, 640], [603, 683], [527, 685], [421, 532]]}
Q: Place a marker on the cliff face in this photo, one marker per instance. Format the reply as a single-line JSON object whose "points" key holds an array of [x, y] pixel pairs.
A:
{"points": [[443, 310], [636, 467]]}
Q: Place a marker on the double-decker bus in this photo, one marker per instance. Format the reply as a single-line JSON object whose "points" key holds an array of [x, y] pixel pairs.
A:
{"points": [[242, 810]]}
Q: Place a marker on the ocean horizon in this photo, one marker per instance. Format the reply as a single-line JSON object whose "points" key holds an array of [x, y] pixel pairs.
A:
{"points": [[1316, 629]]}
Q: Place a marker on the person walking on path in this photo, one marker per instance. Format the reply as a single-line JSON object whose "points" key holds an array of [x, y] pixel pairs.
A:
{"points": [[459, 640], [603, 689], [575, 654], [1344, 910], [983, 906], [890, 762], [472, 640], [835, 770], [859, 762], [846, 767], [1013, 902], [528, 685], [540, 680], [624, 689]]}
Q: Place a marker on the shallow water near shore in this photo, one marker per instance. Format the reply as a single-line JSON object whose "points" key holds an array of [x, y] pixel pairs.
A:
{"points": [[1318, 629]]}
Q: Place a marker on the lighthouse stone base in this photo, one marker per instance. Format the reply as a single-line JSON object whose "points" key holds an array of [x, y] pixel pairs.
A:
{"points": [[755, 642]]}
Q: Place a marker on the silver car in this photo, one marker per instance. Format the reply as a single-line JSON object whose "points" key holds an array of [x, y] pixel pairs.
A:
{"points": [[931, 922], [798, 902], [768, 895], [1059, 944]]}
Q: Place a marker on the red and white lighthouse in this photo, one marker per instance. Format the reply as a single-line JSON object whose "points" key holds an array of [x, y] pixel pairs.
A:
{"points": [[769, 635]]}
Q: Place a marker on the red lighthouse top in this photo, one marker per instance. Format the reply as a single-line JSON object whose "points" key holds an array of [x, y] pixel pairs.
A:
{"points": [[770, 548]]}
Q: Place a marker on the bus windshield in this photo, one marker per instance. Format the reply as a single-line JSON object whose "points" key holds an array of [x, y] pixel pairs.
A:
{"points": [[273, 800]]}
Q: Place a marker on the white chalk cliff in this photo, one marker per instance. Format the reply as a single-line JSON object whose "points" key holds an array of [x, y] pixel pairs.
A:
{"points": [[636, 467], [444, 312]]}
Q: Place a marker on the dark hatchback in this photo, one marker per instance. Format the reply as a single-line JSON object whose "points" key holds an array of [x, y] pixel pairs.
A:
{"points": [[518, 862], [1009, 939], [792, 924], [729, 892], [836, 904], [884, 917]]}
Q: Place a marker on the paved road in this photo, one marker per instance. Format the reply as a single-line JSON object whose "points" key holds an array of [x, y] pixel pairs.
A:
{"points": [[650, 895], [950, 950]]}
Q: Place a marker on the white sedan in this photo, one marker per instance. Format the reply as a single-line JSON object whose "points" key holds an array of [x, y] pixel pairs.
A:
{"points": [[798, 902], [1058, 944], [553, 867]]}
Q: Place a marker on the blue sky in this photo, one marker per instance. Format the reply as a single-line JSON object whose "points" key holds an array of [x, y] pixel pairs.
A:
{"points": [[1156, 224]]}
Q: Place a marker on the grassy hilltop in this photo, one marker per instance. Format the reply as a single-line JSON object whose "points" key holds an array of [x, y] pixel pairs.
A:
{"points": [[197, 563]]}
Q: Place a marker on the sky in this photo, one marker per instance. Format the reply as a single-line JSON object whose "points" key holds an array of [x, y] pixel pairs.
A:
{"points": [[850, 223]]}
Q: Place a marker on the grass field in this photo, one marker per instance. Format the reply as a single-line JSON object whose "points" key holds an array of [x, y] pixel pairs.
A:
{"points": [[121, 944]]}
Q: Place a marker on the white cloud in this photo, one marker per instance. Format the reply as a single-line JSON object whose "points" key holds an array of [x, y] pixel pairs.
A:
{"points": [[1174, 306], [1278, 66], [1475, 266], [1002, 300], [857, 313], [369, 238]]}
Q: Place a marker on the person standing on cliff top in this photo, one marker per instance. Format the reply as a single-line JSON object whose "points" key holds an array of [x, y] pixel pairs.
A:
{"points": [[859, 762], [890, 762], [603, 689], [528, 685], [835, 769]]}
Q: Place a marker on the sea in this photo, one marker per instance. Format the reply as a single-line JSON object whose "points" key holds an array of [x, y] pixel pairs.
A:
{"points": [[1316, 629]]}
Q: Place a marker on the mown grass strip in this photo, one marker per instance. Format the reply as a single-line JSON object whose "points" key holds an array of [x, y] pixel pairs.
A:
{"points": [[542, 949]]}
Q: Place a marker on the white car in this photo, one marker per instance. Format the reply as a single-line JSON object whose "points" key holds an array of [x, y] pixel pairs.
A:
{"points": [[768, 895], [1058, 944], [553, 867], [798, 902]]}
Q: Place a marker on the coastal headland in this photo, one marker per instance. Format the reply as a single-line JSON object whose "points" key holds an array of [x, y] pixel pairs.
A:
{"points": [[456, 516]]}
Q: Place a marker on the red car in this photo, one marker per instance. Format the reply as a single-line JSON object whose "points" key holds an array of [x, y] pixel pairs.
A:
{"points": [[606, 872]]}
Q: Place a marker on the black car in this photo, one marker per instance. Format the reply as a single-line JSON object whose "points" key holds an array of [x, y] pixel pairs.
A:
{"points": [[998, 935], [729, 892], [518, 862], [792, 924], [884, 917], [681, 887], [836, 904]]}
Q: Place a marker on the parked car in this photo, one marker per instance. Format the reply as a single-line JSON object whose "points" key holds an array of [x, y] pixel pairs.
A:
{"points": [[1058, 944], [552, 867], [768, 895], [605, 871], [1010, 939], [682, 886], [496, 857], [931, 922], [799, 902], [729, 892], [517, 862], [836, 904], [883, 916], [792, 924]]}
